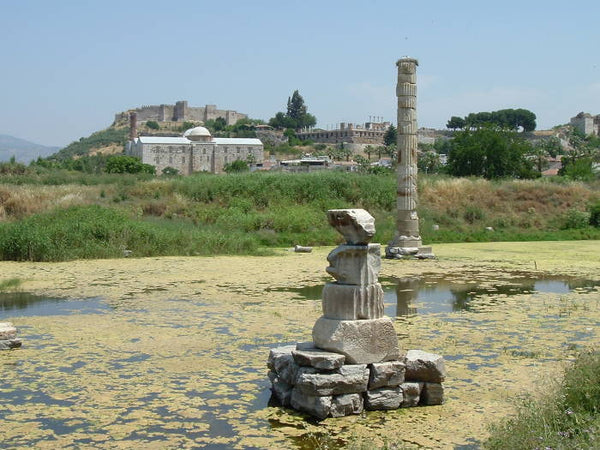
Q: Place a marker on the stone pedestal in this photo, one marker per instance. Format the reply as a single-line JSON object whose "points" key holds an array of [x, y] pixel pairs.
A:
{"points": [[353, 362], [348, 389]]}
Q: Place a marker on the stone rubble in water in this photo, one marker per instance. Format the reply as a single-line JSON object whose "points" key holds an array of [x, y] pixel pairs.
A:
{"points": [[8, 336], [354, 361]]}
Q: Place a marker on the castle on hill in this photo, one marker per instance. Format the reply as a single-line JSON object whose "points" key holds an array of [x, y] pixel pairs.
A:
{"points": [[181, 112]]}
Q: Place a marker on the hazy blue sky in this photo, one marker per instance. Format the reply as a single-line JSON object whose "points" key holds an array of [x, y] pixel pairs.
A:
{"points": [[68, 66]]}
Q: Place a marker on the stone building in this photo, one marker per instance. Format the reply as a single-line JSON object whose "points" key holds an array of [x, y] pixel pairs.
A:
{"points": [[180, 112], [586, 123], [371, 133], [195, 151]]}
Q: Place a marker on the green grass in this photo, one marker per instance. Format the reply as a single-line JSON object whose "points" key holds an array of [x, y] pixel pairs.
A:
{"points": [[245, 213], [567, 416], [10, 285]]}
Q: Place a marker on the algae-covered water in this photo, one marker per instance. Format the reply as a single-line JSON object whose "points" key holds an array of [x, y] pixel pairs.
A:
{"points": [[170, 352]]}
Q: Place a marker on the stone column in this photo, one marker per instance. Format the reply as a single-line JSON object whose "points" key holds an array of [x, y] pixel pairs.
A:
{"points": [[407, 240]]}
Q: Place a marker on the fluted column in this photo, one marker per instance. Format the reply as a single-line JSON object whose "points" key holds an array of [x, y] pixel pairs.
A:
{"points": [[407, 239]]}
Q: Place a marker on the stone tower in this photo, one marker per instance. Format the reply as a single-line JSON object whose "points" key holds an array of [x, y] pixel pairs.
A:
{"points": [[407, 240]]}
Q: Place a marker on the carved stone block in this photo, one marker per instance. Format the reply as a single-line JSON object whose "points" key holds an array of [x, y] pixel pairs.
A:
{"points": [[351, 302]]}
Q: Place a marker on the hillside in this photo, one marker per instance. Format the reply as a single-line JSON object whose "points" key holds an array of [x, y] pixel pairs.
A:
{"points": [[110, 140], [24, 151]]}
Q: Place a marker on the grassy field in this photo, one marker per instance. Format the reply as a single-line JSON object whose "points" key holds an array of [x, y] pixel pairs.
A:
{"points": [[58, 215]]}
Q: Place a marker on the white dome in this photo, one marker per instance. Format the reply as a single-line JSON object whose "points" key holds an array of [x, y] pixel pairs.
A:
{"points": [[197, 134]]}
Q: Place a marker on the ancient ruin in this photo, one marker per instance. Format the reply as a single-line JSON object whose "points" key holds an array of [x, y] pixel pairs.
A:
{"points": [[354, 361], [8, 336], [407, 240]]}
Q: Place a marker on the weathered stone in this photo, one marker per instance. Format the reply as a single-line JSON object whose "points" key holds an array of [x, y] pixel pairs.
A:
{"points": [[356, 225], [347, 379], [282, 363], [281, 389], [7, 331], [308, 345], [384, 398], [277, 352], [318, 359], [311, 404], [387, 374], [346, 404], [432, 394], [8, 344], [349, 302], [361, 341], [355, 264], [302, 249], [423, 366], [411, 394]]}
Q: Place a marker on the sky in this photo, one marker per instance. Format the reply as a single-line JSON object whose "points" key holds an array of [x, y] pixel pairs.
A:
{"points": [[67, 66]]}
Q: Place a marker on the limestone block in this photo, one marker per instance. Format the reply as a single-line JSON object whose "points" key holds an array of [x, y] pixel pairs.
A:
{"points": [[423, 366], [308, 345], [411, 394], [384, 398], [356, 225], [281, 390], [284, 366], [8, 344], [318, 359], [355, 264], [347, 379], [361, 341], [346, 404], [7, 331], [350, 302], [277, 352], [387, 374], [313, 405], [432, 394]]}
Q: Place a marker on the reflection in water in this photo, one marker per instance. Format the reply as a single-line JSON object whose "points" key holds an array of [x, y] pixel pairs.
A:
{"points": [[439, 295], [14, 304]]}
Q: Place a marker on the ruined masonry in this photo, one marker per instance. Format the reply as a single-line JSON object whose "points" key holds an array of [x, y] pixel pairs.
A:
{"points": [[8, 336], [407, 241], [354, 362]]}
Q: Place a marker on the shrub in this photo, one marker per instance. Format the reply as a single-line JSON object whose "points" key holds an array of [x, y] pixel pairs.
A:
{"points": [[152, 125], [575, 219], [595, 214]]}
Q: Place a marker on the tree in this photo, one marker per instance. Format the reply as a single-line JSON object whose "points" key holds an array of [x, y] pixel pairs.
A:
{"points": [[429, 162], [390, 136], [456, 123], [368, 150], [127, 164], [512, 119], [153, 125], [490, 152], [220, 124], [296, 116], [237, 166]]}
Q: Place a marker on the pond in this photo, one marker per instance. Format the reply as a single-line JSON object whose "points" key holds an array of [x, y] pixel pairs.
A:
{"points": [[178, 359]]}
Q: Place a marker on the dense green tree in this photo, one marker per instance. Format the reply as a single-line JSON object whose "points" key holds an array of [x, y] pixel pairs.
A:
{"points": [[390, 136], [512, 119], [297, 115], [456, 123], [127, 164], [220, 124], [429, 162], [490, 152], [153, 125], [237, 166]]}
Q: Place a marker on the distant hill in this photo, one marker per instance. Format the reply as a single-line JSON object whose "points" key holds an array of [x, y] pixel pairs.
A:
{"points": [[24, 151], [108, 141]]}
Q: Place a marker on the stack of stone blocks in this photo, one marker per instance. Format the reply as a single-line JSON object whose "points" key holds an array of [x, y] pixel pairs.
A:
{"points": [[354, 362], [8, 336]]}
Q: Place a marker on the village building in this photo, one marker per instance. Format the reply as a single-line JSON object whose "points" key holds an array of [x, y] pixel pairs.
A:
{"points": [[371, 133], [195, 151]]}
